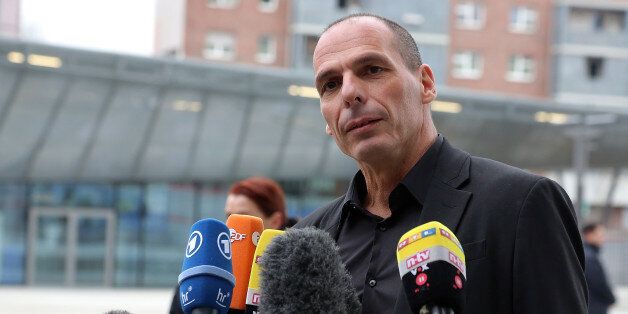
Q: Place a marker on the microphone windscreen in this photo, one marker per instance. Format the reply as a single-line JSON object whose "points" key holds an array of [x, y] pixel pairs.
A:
{"points": [[206, 280], [245, 233], [302, 272], [253, 294], [432, 267]]}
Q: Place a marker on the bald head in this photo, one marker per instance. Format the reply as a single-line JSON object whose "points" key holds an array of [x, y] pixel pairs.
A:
{"points": [[406, 45]]}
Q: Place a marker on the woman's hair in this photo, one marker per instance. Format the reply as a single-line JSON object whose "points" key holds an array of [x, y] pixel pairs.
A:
{"points": [[264, 192]]}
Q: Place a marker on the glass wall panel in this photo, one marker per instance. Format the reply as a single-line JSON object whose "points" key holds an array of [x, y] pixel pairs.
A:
{"points": [[49, 194], [213, 197], [130, 207], [169, 215], [90, 195], [51, 250], [12, 233], [91, 251]]}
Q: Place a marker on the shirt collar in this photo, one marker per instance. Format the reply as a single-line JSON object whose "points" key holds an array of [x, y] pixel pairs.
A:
{"points": [[417, 181]]}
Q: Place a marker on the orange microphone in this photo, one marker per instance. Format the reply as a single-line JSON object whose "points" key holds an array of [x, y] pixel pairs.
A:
{"points": [[245, 233]]}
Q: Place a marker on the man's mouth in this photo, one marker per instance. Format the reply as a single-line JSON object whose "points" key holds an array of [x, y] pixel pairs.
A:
{"points": [[361, 123]]}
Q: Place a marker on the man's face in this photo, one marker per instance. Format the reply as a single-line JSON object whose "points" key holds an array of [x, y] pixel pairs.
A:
{"points": [[372, 103], [597, 236]]}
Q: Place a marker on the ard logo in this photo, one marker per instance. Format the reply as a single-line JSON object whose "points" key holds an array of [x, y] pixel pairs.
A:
{"points": [[194, 243]]}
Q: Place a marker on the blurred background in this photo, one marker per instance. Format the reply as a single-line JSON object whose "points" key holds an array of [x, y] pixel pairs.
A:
{"points": [[123, 122]]}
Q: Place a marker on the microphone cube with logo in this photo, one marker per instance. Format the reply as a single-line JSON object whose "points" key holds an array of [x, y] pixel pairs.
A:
{"points": [[245, 233], [206, 280], [432, 267]]}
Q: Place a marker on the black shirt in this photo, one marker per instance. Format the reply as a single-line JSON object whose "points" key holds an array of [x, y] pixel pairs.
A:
{"points": [[368, 242]]}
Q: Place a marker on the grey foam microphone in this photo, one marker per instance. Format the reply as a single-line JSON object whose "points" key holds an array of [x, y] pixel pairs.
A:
{"points": [[301, 272]]}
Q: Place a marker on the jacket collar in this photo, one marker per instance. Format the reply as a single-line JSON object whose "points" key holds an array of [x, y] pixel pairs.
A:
{"points": [[443, 202]]}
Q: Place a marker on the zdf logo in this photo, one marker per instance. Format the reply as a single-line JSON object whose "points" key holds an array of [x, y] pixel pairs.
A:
{"points": [[235, 236]]}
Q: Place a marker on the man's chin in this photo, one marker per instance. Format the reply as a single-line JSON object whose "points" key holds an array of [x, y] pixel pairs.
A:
{"points": [[371, 152]]}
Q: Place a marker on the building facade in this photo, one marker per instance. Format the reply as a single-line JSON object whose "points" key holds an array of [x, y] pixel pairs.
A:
{"points": [[500, 46], [590, 53], [228, 31], [9, 18]]}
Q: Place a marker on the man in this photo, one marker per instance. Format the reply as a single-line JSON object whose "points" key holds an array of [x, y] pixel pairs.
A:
{"points": [[600, 293], [519, 233]]}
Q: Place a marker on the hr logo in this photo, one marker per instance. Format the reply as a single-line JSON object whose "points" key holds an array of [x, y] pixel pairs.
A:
{"points": [[222, 297], [185, 299]]}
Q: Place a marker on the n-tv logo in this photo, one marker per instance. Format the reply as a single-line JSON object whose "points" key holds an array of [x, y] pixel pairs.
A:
{"points": [[417, 259], [194, 243], [255, 299], [456, 261]]}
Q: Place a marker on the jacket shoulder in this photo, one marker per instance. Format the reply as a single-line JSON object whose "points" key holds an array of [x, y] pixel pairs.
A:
{"points": [[325, 217], [497, 172]]}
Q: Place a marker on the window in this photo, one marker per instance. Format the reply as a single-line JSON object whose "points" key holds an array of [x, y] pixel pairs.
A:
{"points": [[608, 21], [219, 46], [581, 19], [266, 49], [521, 69], [222, 4], [523, 20], [268, 5], [470, 15], [595, 66], [467, 65], [344, 4], [309, 45]]}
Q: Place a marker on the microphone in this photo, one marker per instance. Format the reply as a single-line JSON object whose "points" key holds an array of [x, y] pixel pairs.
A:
{"points": [[245, 233], [432, 269], [302, 273], [206, 280], [253, 294]]}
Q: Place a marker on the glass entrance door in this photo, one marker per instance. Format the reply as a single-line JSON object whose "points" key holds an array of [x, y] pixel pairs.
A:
{"points": [[70, 247]]}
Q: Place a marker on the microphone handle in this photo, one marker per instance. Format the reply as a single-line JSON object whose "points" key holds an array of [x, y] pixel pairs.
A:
{"points": [[204, 310], [435, 309]]}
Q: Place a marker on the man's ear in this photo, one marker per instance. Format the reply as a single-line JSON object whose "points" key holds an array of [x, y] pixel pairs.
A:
{"points": [[328, 130], [428, 93]]}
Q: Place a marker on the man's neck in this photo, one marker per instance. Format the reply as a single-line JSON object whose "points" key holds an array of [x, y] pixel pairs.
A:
{"points": [[381, 178]]}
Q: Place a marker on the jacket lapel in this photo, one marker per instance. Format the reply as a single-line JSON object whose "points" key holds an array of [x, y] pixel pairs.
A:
{"points": [[444, 202]]}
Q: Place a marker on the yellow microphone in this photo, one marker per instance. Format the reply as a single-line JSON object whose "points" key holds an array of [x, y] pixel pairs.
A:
{"points": [[432, 268], [253, 293]]}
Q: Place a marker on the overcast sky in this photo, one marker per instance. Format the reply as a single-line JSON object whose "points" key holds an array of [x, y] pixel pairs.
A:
{"points": [[122, 26]]}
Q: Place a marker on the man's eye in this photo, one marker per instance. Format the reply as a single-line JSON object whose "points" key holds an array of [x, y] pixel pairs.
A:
{"points": [[374, 70], [330, 85]]}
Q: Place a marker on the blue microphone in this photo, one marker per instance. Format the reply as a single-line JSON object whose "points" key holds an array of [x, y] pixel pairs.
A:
{"points": [[206, 280]]}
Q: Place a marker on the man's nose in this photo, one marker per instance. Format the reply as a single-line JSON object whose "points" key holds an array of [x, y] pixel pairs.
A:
{"points": [[352, 90]]}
